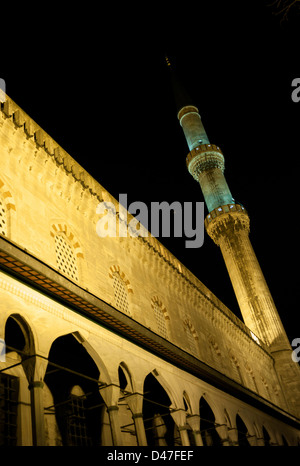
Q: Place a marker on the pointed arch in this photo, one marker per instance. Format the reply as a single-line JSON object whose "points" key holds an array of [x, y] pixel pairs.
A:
{"points": [[242, 432], [237, 374], [161, 316], [18, 335], [127, 379], [187, 403], [63, 228], [122, 289], [216, 352], [67, 250], [192, 337], [209, 435], [159, 424], [76, 368], [115, 269]]}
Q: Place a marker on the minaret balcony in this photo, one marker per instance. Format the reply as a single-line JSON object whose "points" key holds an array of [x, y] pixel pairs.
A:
{"points": [[204, 157], [224, 218]]}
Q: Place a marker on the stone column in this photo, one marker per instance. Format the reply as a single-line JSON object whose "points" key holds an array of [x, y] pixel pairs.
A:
{"points": [[35, 368], [135, 403], [110, 395], [222, 431], [194, 423], [233, 437], [179, 418], [37, 413], [252, 440], [260, 442]]}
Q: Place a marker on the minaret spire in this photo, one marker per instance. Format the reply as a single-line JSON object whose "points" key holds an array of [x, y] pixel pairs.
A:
{"points": [[228, 224]]}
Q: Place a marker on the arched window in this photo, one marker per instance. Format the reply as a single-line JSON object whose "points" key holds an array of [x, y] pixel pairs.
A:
{"points": [[237, 375], [266, 388], [251, 378], [160, 319], [210, 437], [120, 293], [242, 432], [191, 338], [216, 354], [76, 416], [65, 258], [3, 219]]}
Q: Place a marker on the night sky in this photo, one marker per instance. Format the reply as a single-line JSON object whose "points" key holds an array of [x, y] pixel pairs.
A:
{"points": [[97, 82]]}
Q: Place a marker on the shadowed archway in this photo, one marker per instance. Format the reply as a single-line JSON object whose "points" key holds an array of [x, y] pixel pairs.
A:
{"points": [[159, 425], [72, 377]]}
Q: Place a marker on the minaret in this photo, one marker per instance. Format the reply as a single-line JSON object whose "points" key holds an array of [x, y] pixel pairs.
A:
{"points": [[228, 224]]}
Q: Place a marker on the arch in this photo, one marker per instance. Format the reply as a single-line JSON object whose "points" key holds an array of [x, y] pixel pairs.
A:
{"points": [[217, 410], [187, 403], [264, 383], [216, 353], [209, 435], [192, 337], [159, 425], [104, 374], [116, 269], [242, 432], [161, 316], [18, 333], [248, 420], [267, 434], [237, 374], [174, 397], [266, 437], [70, 365], [122, 289], [285, 443], [250, 377], [128, 379], [227, 418], [156, 300], [59, 228]]}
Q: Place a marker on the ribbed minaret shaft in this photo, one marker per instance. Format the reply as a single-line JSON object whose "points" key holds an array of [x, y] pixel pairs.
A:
{"points": [[227, 223]]}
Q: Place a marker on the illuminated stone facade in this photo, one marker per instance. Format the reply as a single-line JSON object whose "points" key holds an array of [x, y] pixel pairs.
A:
{"points": [[112, 341]]}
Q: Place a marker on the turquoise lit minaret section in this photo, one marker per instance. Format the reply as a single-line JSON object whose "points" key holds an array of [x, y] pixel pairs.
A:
{"points": [[205, 161]]}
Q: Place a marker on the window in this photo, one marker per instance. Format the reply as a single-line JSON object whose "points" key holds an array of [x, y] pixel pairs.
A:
{"points": [[237, 375], [65, 258], [9, 388], [216, 354], [160, 320], [3, 220], [191, 340], [121, 293], [77, 424]]}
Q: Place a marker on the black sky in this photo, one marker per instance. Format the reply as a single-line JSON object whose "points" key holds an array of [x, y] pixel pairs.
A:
{"points": [[97, 82]]}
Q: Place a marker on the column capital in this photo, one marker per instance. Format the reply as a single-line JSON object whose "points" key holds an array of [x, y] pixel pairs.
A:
{"points": [[135, 402], [110, 394], [36, 384]]}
